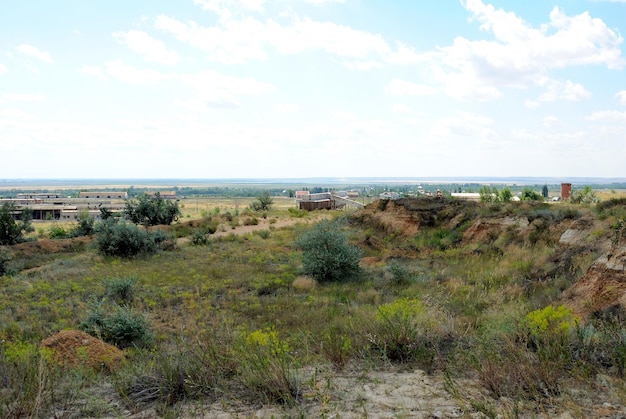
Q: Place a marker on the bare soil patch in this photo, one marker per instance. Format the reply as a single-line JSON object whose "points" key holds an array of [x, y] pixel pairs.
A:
{"points": [[73, 348]]}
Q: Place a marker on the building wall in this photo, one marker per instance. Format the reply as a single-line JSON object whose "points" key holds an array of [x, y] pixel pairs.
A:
{"points": [[566, 190], [317, 205]]}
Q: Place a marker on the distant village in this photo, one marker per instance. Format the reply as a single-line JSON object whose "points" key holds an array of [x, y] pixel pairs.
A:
{"points": [[54, 206]]}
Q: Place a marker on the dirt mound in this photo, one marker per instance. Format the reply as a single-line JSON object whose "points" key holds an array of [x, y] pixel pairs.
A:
{"points": [[47, 246], [603, 287], [482, 229], [405, 216], [73, 347]]}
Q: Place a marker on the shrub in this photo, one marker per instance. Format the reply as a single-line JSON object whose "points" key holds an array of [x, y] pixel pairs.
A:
{"points": [[57, 232], [5, 258], [262, 203], [125, 240], [398, 329], [337, 347], [264, 234], [326, 254], [266, 367], [199, 238], [85, 225], [121, 289], [298, 213], [121, 327], [400, 274], [250, 221]]}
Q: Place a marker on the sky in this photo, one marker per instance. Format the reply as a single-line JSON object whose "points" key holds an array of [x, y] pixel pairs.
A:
{"points": [[222, 89]]}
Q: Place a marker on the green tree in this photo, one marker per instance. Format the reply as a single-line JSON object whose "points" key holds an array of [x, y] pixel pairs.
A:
{"points": [[106, 213], [263, 202], [85, 225], [530, 195], [150, 210], [326, 254], [11, 230], [486, 195], [506, 195], [584, 196], [544, 191]]}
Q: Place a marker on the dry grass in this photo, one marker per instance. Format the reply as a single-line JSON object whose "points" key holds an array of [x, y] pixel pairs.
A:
{"points": [[475, 293]]}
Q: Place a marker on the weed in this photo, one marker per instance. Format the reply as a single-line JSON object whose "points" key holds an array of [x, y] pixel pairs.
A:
{"points": [[264, 234], [266, 367], [121, 290]]}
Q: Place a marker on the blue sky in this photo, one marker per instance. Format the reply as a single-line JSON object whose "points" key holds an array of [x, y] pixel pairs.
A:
{"points": [[305, 88]]}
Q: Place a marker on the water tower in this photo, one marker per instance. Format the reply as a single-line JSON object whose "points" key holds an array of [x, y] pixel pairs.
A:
{"points": [[566, 190]]}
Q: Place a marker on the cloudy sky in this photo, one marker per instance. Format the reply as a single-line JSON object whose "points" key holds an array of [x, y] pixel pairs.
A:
{"points": [[304, 88]]}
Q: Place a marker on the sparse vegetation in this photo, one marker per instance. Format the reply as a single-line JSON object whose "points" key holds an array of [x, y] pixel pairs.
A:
{"points": [[473, 293]]}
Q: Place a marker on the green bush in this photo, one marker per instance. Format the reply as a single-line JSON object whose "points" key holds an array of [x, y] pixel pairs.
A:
{"points": [[85, 225], [123, 239], [121, 289], [326, 254], [57, 232], [122, 327], [262, 203], [199, 238], [400, 274]]}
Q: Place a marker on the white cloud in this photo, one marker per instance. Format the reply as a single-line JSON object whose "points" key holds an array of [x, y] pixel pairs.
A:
{"points": [[327, 1], [3, 69], [532, 104], [551, 121], [521, 56], [33, 52], [608, 116], [398, 108], [134, 75], [211, 80], [93, 71], [226, 8], [151, 49], [209, 100], [216, 90], [567, 91], [463, 124], [621, 95], [363, 65], [235, 41], [287, 107], [17, 97], [399, 87]]}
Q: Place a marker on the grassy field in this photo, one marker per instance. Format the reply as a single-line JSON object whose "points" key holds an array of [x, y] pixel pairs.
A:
{"points": [[235, 318]]}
